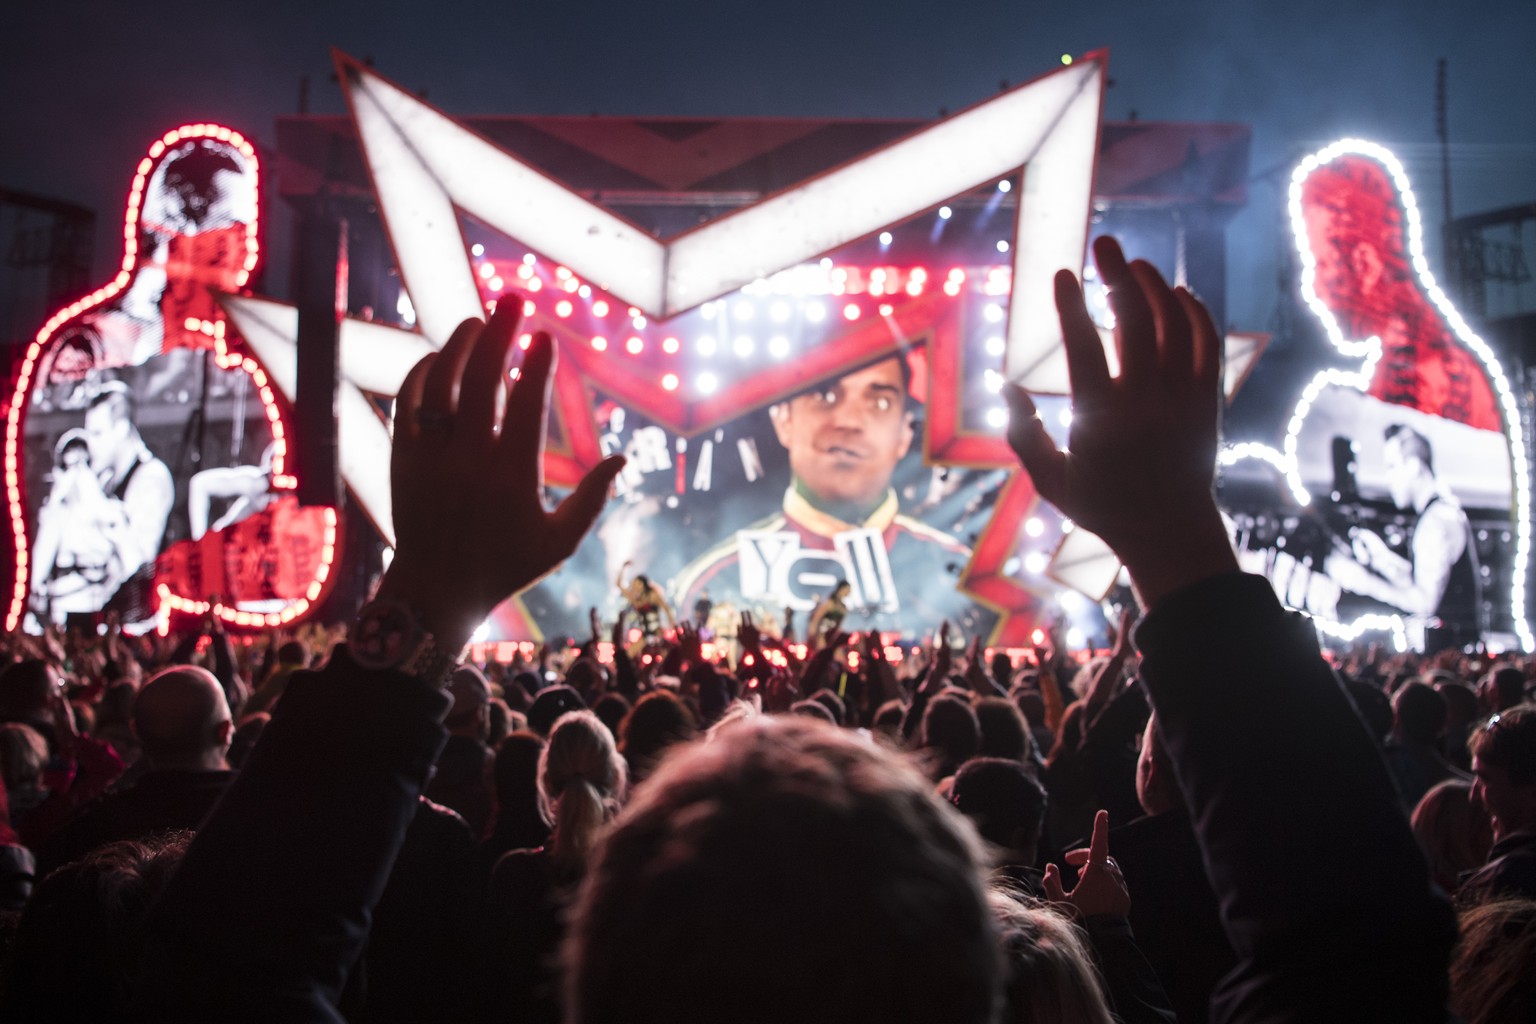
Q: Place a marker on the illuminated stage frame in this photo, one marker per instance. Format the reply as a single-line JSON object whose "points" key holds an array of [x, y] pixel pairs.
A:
{"points": [[215, 331], [1369, 352], [427, 169]]}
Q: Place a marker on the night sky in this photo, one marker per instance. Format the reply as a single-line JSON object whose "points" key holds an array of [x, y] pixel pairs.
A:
{"points": [[87, 86]]}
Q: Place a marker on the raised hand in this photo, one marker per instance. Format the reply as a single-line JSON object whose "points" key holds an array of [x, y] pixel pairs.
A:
{"points": [[938, 672], [1122, 645], [690, 644], [1100, 888], [467, 477], [976, 670], [1141, 456], [1107, 682], [748, 633]]}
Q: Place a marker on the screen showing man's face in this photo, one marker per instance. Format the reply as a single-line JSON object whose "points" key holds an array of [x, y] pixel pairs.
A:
{"points": [[845, 439]]}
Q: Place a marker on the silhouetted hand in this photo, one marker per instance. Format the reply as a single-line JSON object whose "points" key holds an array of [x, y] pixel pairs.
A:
{"points": [[1142, 451], [751, 639], [1100, 888], [938, 671], [62, 718], [976, 670], [467, 476], [689, 643], [1107, 682]]}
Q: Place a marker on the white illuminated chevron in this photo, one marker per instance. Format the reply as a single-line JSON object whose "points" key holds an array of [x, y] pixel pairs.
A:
{"points": [[425, 165], [427, 168], [374, 357]]}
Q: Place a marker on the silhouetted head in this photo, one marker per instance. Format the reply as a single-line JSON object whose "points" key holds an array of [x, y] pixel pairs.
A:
{"points": [[182, 720], [1005, 802], [784, 871]]}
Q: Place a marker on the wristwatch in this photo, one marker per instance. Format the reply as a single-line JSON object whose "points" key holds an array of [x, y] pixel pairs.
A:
{"points": [[390, 637]]}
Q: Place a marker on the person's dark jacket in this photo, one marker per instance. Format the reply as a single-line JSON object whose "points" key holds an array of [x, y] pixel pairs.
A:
{"points": [[1510, 871], [524, 923], [418, 963], [272, 903], [461, 781], [1418, 769], [167, 800], [519, 827], [1324, 895]]}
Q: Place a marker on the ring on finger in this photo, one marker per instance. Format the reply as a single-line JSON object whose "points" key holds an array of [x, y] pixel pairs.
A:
{"points": [[434, 422]]}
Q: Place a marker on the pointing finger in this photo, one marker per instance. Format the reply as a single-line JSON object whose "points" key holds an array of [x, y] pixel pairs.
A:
{"points": [[1098, 847]]}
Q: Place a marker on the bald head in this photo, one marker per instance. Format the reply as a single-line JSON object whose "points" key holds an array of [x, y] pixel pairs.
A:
{"points": [[182, 719]]}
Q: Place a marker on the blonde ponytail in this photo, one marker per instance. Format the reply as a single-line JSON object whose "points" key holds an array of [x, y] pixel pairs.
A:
{"points": [[582, 780]]}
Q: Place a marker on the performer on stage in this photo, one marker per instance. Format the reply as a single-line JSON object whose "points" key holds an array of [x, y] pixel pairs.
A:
{"points": [[701, 610], [841, 517], [649, 604], [829, 614]]}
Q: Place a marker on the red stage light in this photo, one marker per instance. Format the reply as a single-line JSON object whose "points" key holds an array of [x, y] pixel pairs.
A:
{"points": [[600, 343], [669, 345], [851, 311], [634, 346]]}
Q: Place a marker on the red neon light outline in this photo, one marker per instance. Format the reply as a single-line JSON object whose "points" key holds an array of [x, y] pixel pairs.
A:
{"points": [[215, 330]]}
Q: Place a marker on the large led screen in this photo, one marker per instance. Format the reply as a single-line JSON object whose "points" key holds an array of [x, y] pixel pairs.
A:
{"points": [[817, 428], [1400, 501], [145, 455]]}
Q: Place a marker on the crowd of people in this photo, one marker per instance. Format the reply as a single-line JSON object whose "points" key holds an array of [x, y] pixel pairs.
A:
{"points": [[1209, 821]]}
